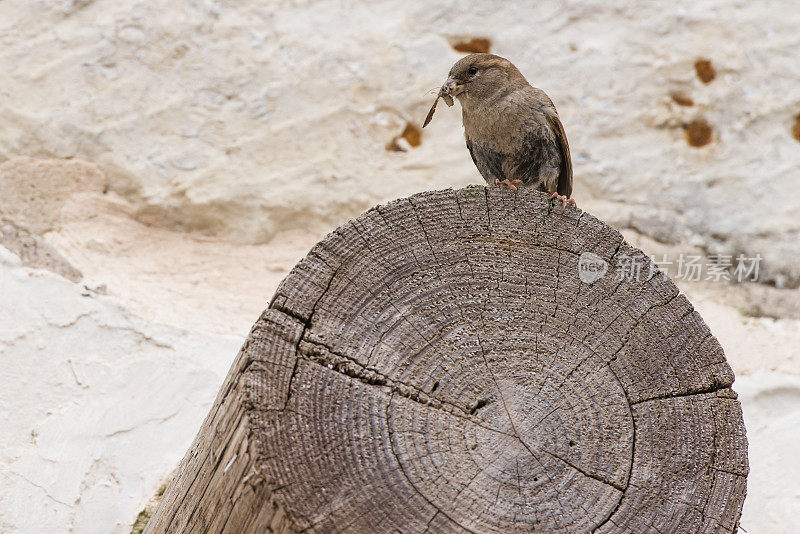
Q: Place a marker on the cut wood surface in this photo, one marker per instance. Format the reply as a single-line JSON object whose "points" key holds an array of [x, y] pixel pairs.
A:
{"points": [[438, 365]]}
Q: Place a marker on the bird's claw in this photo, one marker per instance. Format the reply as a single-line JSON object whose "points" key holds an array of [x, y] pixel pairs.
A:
{"points": [[564, 201], [510, 183]]}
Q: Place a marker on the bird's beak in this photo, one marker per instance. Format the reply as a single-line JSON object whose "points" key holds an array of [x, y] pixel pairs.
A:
{"points": [[452, 87]]}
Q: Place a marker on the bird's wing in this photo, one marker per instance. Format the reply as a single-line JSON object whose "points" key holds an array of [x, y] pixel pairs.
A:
{"points": [[469, 147], [488, 162], [565, 171]]}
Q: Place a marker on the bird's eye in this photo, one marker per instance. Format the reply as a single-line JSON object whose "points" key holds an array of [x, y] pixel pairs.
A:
{"points": [[472, 70]]}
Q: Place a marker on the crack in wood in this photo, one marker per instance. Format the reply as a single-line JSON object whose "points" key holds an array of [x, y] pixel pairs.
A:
{"points": [[320, 354], [689, 393], [586, 473], [306, 325]]}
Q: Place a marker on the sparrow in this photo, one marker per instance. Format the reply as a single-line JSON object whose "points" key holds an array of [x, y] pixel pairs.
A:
{"points": [[512, 129]]}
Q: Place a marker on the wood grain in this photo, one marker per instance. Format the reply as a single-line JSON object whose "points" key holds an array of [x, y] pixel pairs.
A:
{"points": [[437, 365]]}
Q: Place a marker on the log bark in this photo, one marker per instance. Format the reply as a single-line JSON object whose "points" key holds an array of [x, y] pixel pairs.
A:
{"points": [[438, 365]]}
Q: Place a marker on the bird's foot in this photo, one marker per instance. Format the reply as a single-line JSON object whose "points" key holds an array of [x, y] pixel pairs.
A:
{"points": [[510, 183], [564, 201]]}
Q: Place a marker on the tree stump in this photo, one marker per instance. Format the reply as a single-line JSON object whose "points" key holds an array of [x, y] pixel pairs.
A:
{"points": [[462, 361]]}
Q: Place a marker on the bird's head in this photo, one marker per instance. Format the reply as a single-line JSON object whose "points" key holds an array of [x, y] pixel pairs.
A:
{"points": [[478, 77]]}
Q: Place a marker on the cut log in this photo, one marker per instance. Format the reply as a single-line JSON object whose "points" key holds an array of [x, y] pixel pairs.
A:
{"points": [[470, 361]]}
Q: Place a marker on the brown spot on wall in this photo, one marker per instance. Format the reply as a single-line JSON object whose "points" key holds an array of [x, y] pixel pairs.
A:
{"points": [[682, 100], [412, 134], [796, 128], [473, 46], [394, 146], [699, 133], [705, 70]]}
